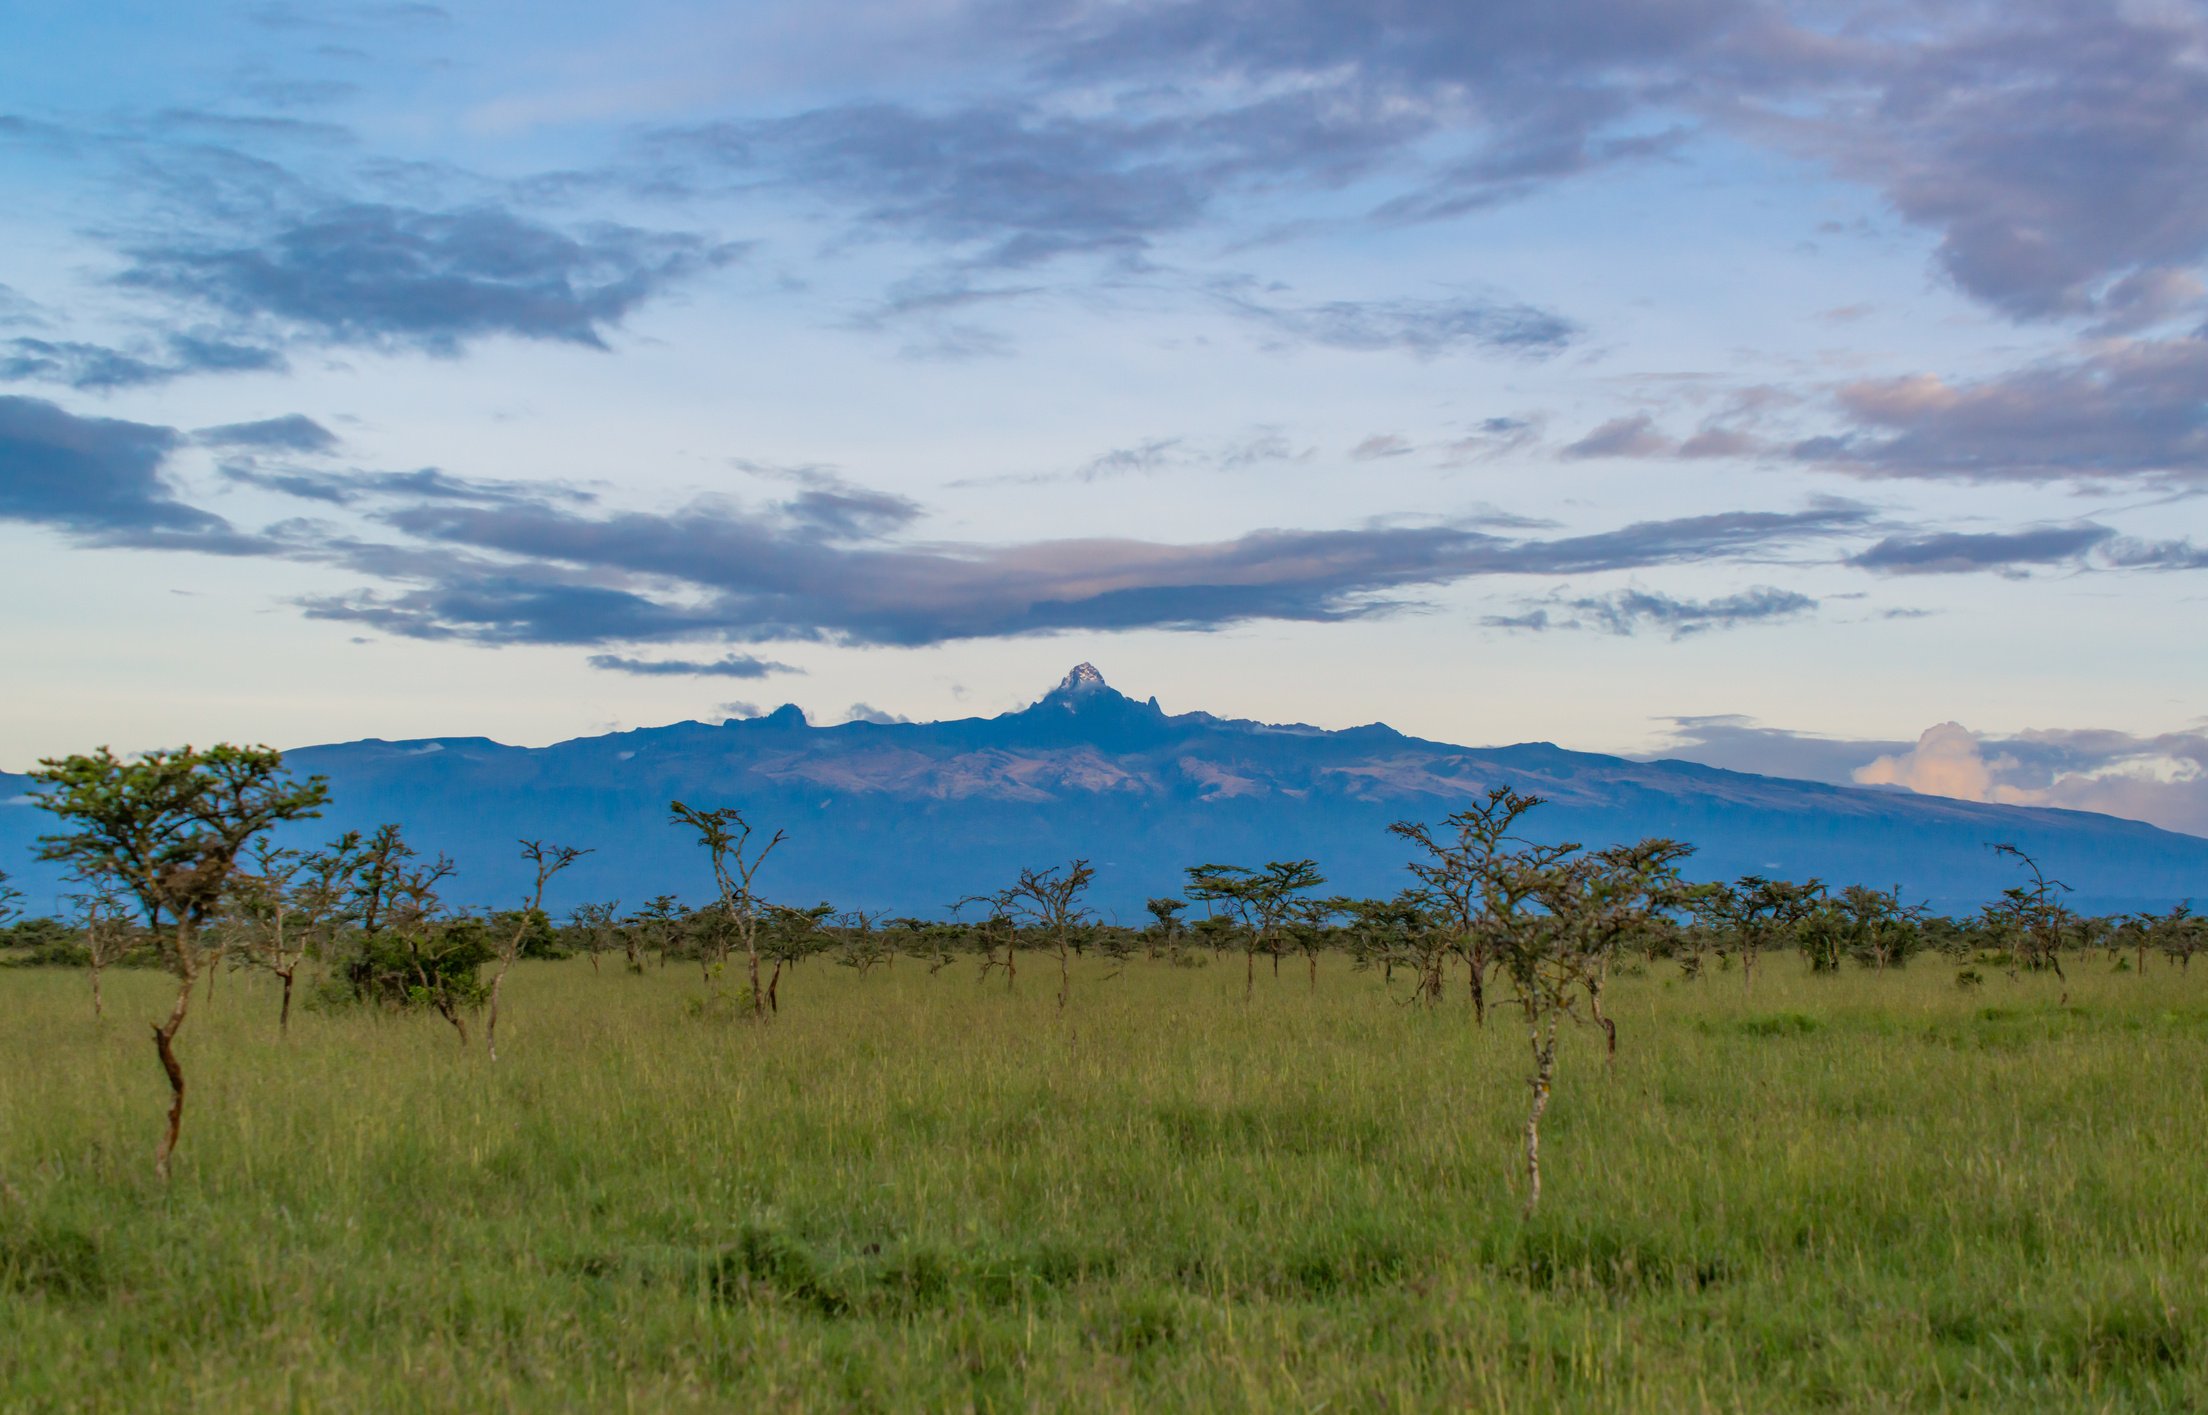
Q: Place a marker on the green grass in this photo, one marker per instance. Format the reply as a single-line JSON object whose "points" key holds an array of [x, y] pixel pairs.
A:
{"points": [[1860, 1192]]}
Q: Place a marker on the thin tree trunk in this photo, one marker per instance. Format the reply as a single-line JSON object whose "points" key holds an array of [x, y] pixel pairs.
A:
{"points": [[774, 988], [283, 1018], [1544, 1061], [99, 1007], [1314, 960], [1249, 974], [1609, 1028], [490, 1025], [164, 1043]]}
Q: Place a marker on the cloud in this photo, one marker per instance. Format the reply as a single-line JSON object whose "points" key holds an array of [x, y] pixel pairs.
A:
{"points": [[1951, 553], [1946, 761], [96, 368], [1628, 612], [2129, 408], [98, 478], [1017, 182], [1379, 446], [540, 573], [397, 276], [2160, 778], [866, 712], [293, 432], [1738, 743], [733, 665], [1423, 328], [347, 488], [1633, 436]]}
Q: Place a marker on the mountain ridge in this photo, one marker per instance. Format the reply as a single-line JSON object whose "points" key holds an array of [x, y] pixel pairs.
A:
{"points": [[908, 816]]}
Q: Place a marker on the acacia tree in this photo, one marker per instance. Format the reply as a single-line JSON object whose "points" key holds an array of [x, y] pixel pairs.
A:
{"points": [[600, 926], [11, 901], [2031, 918], [1165, 930], [1475, 902], [727, 838], [1049, 901], [657, 923], [1264, 901], [169, 826], [103, 917], [264, 903], [1603, 901], [547, 861]]}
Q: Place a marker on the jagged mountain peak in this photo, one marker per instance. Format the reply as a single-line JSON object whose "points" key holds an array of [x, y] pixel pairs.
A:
{"points": [[1082, 678]]}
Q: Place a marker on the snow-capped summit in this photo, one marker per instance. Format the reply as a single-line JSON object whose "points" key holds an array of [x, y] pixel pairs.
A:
{"points": [[1081, 679]]}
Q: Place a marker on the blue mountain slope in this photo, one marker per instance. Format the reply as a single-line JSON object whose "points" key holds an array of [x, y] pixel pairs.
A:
{"points": [[910, 817]]}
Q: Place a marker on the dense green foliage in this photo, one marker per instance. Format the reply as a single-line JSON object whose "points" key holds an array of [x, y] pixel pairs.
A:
{"points": [[1869, 1189]]}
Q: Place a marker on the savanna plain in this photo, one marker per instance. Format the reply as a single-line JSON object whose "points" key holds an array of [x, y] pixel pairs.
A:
{"points": [[1867, 1190]]}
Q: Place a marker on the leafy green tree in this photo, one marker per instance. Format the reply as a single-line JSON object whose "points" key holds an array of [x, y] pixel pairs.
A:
{"points": [[1263, 901], [1475, 903], [2031, 919], [169, 827]]}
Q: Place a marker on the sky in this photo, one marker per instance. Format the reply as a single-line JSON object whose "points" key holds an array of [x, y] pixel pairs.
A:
{"points": [[1811, 388]]}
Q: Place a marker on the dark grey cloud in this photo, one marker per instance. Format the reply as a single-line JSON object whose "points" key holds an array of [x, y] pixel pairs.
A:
{"points": [[1628, 612], [733, 665], [97, 478], [347, 488], [2054, 148], [1954, 552], [1739, 743], [293, 432], [714, 570], [398, 276], [2126, 409], [99, 369]]}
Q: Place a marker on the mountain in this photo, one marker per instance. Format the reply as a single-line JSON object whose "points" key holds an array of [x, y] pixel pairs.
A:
{"points": [[911, 816]]}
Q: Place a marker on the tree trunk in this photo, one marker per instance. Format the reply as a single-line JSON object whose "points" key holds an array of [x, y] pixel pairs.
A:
{"points": [[490, 1025], [283, 1018], [1065, 976], [1544, 1069], [774, 988], [1609, 1028], [758, 1000], [164, 1043], [99, 1007], [1314, 960], [1249, 974]]}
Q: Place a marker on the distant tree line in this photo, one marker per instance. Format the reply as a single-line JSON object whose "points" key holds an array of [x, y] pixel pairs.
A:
{"points": [[170, 867]]}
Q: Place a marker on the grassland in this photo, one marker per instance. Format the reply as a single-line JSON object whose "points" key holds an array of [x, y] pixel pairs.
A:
{"points": [[1864, 1192]]}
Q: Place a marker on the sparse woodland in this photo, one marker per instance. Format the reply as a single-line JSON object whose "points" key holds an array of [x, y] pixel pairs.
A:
{"points": [[1507, 1031]]}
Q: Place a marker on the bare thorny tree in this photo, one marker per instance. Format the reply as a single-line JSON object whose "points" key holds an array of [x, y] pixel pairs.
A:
{"points": [[1049, 902], [728, 840], [547, 860]]}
